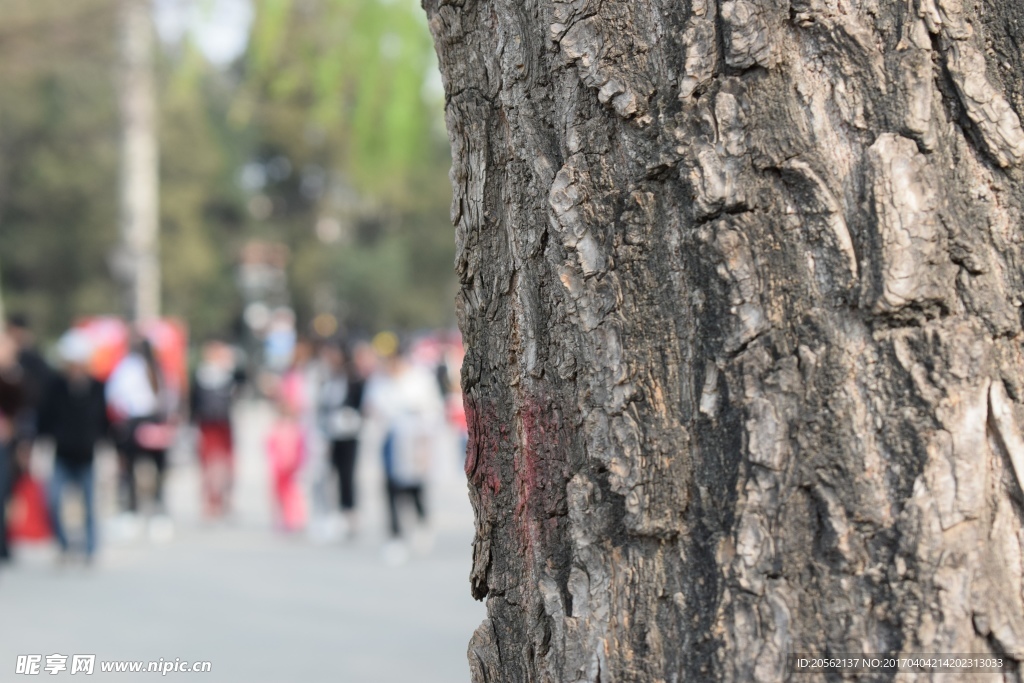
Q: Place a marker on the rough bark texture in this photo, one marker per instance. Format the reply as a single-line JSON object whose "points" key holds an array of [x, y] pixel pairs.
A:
{"points": [[742, 289]]}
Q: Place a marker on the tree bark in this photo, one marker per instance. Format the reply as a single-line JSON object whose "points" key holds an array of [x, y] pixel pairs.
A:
{"points": [[741, 287]]}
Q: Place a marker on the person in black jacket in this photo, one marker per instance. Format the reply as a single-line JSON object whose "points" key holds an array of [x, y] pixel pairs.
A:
{"points": [[74, 413], [341, 419], [36, 376], [11, 406]]}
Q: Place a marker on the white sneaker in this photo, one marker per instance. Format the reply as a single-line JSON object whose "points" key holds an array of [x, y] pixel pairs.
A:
{"points": [[323, 530], [348, 528], [423, 540], [161, 529], [63, 560], [334, 527], [125, 527], [395, 553]]}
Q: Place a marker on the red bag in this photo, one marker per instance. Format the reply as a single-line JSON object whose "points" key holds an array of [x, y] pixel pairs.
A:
{"points": [[27, 518]]}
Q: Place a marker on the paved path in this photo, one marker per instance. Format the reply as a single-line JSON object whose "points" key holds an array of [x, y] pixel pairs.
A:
{"points": [[259, 606]]}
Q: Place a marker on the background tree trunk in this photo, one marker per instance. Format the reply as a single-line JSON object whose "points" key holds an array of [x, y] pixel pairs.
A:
{"points": [[741, 285], [139, 191]]}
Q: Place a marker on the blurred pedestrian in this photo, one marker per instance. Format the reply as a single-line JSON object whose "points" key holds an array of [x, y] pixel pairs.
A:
{"points": [[450, 369], [407, 400], [143, 409], [286, 451], [307, 374], [36, 376], [215, 386], [280, 341], [341, 419], [11, 404], [74, 413]]}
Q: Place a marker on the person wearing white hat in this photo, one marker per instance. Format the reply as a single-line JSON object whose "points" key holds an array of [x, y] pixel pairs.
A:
{"points": [[74, 414]]}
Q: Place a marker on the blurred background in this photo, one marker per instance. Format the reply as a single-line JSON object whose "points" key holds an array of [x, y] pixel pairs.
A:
{"points": [[312, 124], [224, 230]]}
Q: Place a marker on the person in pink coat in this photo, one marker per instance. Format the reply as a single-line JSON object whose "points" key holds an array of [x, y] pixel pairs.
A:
{"points": [[286, 449]]}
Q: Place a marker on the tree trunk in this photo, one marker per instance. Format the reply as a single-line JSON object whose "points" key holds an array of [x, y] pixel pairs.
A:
{"points": [[139, 191], [741, 286]]}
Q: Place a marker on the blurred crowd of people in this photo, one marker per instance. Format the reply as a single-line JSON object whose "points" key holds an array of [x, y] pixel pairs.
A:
{"points": [[326, 394], [325, 399], [68, 405]]}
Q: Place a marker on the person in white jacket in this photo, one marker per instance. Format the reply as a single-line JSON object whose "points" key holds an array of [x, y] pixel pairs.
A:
{"points": [[142, 407], [407, 400]]}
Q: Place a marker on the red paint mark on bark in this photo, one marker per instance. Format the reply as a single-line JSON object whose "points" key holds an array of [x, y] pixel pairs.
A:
{"points": [[516, 465], [534, 432], [539, 472]]}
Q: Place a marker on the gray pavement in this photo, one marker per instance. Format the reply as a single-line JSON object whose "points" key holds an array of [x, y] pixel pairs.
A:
{"points": [[260, 606]]}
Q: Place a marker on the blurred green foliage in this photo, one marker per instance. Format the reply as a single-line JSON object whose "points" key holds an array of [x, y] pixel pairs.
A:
{"points": [[332, 118], [340, 91], [58, 159]]}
